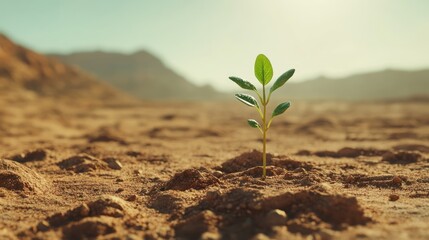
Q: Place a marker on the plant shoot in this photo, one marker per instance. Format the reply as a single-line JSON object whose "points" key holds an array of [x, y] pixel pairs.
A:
{"points": [[264, 74]]}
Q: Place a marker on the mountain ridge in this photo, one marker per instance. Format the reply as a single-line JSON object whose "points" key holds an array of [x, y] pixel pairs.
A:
{"points": [[137, 73], [140, 74], [32, 73], [375, 85]]}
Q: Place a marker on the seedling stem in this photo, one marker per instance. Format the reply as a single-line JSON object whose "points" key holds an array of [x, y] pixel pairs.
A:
{"points": [[264, 137]]}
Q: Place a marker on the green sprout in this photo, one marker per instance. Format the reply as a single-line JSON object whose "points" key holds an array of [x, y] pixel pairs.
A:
{"points": [[264, 74]]}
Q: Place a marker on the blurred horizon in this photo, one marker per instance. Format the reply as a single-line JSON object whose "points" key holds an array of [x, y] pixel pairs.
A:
{"points": [[208, 41]]}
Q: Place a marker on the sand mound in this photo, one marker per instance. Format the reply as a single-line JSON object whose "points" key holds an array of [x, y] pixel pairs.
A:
{"points": [[103, 216], [110, 206], [349, 152], [106, 137], [412, 147], [203, 223], [238, 200], [82, 163], [178, 132], [248, 212], [91, 227], [253, 159], [321, 122], [34, 155], [381, 181], [245, 161], [191, 179], [334, 209], [17, 177], [402, 157], [403, 135], [166, 202], [304, 178], [256, 172]]}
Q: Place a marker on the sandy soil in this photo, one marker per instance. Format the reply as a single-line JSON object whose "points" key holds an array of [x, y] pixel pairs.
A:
{"points": [[191, 171]]}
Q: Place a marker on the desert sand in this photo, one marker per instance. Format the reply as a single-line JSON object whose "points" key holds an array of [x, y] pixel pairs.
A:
{"points": [[170, 170]]}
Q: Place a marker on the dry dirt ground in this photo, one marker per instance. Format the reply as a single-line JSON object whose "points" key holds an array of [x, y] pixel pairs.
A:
{"points": [[191, 171]]}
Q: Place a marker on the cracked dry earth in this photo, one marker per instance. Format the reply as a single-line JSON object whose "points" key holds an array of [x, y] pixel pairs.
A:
{"points": [[191, 171]]}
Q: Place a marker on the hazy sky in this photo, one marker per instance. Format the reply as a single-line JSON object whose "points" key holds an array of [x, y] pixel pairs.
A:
{"points": [[206, 41]]}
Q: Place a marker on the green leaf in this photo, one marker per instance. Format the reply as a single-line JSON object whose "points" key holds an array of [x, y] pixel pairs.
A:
{"points": [[247, 99], [281, 108], [282, 80], [253, 123], [242, 83], [263, 69]]}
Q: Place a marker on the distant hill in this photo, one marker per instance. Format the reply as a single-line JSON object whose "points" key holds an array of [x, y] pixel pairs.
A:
{"points": [[140, 74], [25, 72], [382, 85], [145, 76]]}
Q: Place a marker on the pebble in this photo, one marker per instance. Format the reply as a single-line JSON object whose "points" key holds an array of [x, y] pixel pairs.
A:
{"points": [[350, 179], [113, 163], [323, 187], [212, 195], [275, 217], [210, 236], [132, 198], [300, 170], [218, 174], [43, 226], [393, 197], [260, 236], [23, 195], [119, 190], [132, 237], [83, 210], [397, 180]]}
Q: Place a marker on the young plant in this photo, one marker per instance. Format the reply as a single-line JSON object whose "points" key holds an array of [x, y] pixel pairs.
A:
{"points": [[264, 74]]}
